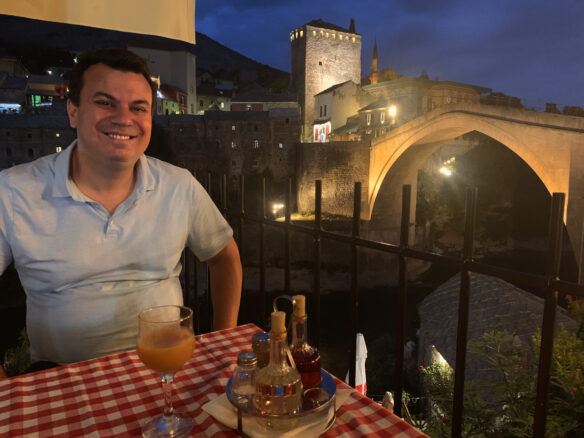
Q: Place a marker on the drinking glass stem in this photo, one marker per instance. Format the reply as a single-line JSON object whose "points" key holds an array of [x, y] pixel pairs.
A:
{"points": [[167, 390]]}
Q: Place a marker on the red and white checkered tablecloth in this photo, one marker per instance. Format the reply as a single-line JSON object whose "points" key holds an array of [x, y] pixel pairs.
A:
{"points": [[114, 395]]}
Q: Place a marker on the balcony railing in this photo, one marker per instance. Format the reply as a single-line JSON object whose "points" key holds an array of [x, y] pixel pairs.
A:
{"points": [[550, 282]]}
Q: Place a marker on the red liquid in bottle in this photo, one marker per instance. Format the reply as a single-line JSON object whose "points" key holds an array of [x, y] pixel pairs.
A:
{"points": [[307, 362]]}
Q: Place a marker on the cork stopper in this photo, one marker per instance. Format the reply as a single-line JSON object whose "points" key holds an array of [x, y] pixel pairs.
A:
{"points": [[299, 306], [278, 324]]}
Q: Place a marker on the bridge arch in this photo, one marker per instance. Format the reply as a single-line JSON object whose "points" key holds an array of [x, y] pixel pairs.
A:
{"points": [[537, 138]]}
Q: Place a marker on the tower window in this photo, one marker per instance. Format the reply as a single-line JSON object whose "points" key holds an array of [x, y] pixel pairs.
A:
{"points": [[233, 127], [321, 33], [327, 34], [368, 119], [233, 145], [319, 62], [256, 144], [382, 117], [334, 36], [314, 33], [353, 39], [281, 146], [301, 33]]}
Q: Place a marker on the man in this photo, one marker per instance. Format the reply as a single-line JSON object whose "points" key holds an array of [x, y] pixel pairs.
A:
{"points": [[96, 231]]}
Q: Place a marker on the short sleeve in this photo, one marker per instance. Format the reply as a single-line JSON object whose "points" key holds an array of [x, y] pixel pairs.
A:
{"points": [[209, 232], [5, 213]]}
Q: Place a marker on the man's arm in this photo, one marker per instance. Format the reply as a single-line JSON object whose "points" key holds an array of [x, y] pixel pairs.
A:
{"points": [[226, 278]]}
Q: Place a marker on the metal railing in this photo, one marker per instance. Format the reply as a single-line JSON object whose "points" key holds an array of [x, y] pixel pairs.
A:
{"points": [[550, 282]]}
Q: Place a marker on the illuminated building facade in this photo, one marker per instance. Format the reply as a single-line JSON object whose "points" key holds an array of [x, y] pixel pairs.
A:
{"points": [[322, 55]]}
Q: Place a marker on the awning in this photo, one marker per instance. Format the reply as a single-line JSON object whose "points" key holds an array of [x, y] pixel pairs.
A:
{"points": [[175, 20]]}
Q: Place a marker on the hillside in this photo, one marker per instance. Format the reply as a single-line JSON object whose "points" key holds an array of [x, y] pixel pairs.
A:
{"points": [[43, 44]]}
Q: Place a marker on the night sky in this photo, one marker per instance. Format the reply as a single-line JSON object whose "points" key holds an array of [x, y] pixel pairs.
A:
{"points": [[532, 49]]}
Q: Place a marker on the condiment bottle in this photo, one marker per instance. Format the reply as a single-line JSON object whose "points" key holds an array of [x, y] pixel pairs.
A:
{"points": [[306, 357], [278, 385], [260, 344], [243, 380]]}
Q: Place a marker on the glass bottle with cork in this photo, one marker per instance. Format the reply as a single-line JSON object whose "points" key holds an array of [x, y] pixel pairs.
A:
{"points": [[306, 357], [278, 385]]}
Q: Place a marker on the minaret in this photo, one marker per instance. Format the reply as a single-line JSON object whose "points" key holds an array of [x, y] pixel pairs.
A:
{"points": [[374, 64]]}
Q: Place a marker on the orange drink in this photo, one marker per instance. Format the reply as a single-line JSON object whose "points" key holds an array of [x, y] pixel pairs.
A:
{"points": [[166, 350]]}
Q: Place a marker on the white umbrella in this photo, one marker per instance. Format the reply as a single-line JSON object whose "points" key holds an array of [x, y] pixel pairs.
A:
{"points": [[360, 375]]}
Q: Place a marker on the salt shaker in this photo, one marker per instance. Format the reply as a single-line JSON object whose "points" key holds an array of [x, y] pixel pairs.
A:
{"points": [[243, 381]]}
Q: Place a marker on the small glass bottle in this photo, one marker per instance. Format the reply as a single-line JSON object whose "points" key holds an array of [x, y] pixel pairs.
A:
{"points": [[243, 380], [278, 385], [306, 357], [260, 344]]}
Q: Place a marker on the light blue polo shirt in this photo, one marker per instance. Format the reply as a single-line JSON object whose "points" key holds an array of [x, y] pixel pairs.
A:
{"points": [[86, 273]]}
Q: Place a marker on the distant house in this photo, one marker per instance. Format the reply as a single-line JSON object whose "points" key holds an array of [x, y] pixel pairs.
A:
{"points": [[260, 99], [333, 106], [210, 98], [12, 93]]}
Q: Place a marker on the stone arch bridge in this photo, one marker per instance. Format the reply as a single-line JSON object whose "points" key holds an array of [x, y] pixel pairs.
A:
{"points": [[552, 145]]}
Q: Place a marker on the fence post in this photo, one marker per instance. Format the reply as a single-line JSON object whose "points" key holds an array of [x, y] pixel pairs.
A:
{"points": [[401, 301], [241, 214], [263, 315], [317, 254], [287, 239], [549, 314], [354, 283], [463, 308]]}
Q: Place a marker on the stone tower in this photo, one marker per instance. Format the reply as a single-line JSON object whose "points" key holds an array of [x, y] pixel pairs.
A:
{"points": [[374, 65], [322, 55]]}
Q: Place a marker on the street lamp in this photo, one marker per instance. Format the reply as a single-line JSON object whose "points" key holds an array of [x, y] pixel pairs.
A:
{"points": [[392, 112]]}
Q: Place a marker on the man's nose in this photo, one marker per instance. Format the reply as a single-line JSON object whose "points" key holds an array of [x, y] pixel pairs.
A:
{"points": [[122, 116]]}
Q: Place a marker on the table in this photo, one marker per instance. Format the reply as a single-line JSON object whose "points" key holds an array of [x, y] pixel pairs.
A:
{"points": [[113, 395]]}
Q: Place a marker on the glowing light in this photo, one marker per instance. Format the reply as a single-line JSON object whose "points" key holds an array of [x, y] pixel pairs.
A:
{"points": [[276, 207], [392, 111], [445, 171]]}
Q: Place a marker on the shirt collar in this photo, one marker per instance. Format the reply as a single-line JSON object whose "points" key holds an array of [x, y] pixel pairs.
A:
{"points": [[64, 187]]}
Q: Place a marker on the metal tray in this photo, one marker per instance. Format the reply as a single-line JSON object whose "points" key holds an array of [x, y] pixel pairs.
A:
{"points": [[322, 412]]}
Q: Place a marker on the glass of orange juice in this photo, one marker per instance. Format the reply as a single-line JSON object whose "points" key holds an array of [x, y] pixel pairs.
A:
{"points": [[165, 342]]}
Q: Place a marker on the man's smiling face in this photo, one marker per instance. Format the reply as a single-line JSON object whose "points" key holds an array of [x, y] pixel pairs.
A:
{"points": [[113, 119]]}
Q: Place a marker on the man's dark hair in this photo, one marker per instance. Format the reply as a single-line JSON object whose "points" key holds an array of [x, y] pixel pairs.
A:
{"points": [[116, 58]]}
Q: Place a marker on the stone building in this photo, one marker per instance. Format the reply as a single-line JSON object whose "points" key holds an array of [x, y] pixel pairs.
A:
{"points": [[26, 137], [235, 143], [322, 55], [333, 106], [260, 99]]}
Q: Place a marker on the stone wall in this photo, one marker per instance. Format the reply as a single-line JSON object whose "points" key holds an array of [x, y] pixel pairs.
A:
{"points": [[24, 138], [339, 165], [235, 144]]}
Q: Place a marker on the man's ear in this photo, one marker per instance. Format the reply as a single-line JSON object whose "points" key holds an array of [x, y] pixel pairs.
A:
{"points": [[72, 112]]}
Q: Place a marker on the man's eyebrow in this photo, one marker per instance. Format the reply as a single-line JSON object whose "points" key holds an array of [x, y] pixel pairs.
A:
{"points": [[104, 94], [109, 96]]}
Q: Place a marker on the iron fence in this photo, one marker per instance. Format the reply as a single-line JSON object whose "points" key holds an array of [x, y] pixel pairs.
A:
{"points": [[550, 282]]}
